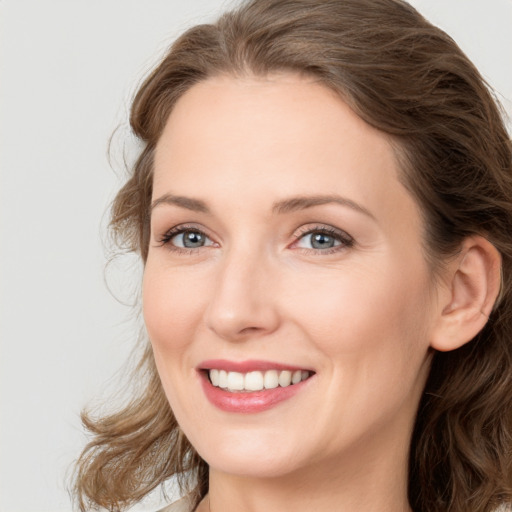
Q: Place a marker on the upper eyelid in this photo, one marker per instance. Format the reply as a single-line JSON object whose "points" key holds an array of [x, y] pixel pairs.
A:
{"points": [[180, 228], [303, 230], [330, 230], [164, 238]]}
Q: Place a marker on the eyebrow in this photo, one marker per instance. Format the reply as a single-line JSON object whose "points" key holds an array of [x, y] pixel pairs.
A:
{"points": [[292, 204], [188, 203], [302, 202]]}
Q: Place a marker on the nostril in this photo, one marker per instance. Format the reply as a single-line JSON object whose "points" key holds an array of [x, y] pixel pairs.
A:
{"points": [[250, 330]]}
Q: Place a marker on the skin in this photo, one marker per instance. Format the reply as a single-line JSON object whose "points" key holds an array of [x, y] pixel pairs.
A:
{"points": [[363, 315]]}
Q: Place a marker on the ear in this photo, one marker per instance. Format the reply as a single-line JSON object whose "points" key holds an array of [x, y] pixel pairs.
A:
{"points": [[472, 287]]}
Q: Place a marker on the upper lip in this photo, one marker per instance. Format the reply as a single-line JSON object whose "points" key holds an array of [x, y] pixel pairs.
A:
{"points": [[247, 366]]}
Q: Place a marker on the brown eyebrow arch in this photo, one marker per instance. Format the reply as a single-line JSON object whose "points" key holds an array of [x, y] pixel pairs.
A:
{"points": [[303, 202], [281, 207], [189, 203]]}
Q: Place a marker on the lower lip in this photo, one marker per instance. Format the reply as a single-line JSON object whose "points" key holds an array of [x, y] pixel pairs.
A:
{"points": [[252, 402]]}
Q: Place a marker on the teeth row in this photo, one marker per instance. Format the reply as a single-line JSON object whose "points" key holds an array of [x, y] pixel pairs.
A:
{"points": [[256, 381]]}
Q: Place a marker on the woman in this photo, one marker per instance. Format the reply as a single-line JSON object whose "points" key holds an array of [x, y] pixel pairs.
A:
{"points": [[323, 208]]}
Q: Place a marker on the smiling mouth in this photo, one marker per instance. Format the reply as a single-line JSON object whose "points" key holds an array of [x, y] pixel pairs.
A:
{"points": [[237, 382]]}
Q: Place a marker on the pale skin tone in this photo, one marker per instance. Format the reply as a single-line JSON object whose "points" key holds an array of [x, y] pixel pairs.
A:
{"points": [[361, 308]]}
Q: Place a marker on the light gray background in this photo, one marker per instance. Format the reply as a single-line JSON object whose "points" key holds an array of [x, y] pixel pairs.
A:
{"points": [[67, 71]]}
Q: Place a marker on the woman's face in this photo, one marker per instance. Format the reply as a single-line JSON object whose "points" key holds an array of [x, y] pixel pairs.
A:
{"points": [[283, 246]]}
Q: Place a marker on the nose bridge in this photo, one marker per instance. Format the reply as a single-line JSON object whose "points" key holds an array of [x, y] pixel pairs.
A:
{"points": [[242, 301]]}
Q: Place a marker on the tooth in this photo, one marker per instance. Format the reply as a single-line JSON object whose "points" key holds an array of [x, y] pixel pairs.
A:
{"points": [[285, 378], [271, 380], [214, 377], [223, 379], [254, 381], [296, 377], [235, 381]]}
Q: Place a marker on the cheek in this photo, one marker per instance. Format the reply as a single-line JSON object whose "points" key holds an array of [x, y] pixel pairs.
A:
{"points": [[379, 308], [172, 311], [371, 328], [172, 307]]}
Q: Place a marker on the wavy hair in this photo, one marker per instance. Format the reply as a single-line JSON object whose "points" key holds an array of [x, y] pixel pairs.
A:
{"points": [[410, 80]]}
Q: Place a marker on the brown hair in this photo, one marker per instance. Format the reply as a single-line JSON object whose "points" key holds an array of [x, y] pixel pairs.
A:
{"points": [[410, 80]]}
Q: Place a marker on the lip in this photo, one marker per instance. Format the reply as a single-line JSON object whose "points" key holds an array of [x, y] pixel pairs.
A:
{"points": [[251, 365], [249, 402]]}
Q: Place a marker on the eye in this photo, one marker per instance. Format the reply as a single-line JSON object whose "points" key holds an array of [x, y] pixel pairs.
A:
{"points": [[185, 238], [190, 239], [324, 239]]}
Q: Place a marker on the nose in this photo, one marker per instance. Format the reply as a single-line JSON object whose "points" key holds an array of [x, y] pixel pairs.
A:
{"points": [[243, 302]]}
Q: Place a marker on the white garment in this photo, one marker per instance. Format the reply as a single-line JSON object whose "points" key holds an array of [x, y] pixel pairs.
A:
{"points": [[182, 505]]}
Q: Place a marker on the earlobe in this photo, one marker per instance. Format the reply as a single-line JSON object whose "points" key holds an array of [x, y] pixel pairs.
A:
{"points": [[473, 285]]}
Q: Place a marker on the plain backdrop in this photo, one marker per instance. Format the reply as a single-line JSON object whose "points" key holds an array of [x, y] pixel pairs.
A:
{"points": [[67, 71]]}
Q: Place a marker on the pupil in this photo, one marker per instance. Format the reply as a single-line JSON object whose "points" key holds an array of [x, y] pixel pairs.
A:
{"points": [[192, 239], [321, 241]]}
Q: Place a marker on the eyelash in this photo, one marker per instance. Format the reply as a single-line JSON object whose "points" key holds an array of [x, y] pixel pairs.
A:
{"points": [[346, 241], [169, 235]]}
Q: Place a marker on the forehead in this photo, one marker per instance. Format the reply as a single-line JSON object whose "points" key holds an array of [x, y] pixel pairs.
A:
{"points": [[272, 137], [287, 108]]}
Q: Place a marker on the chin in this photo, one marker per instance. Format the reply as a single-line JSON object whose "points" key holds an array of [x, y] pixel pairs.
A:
{"points": [[251, 465], [249, 454]]}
